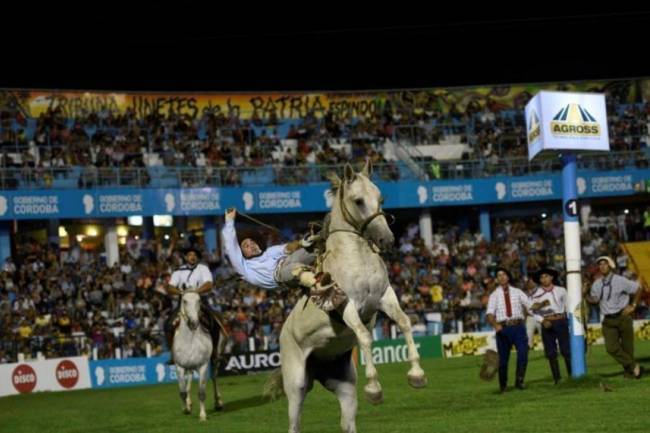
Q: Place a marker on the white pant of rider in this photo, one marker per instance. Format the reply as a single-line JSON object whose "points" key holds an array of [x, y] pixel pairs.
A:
{"points": [[296, 265]]}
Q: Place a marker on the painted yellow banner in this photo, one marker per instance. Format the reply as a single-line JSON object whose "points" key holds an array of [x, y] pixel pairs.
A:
{"points": [[76, 104]]}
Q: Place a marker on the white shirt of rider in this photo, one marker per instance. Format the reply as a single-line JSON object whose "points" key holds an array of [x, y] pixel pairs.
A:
{"points": [[191, 278]]}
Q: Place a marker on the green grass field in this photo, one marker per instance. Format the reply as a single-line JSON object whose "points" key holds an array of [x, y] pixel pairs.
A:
{"points": [[455, 400]]}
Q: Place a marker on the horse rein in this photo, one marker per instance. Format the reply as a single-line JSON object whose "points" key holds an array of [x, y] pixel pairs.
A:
{"points": [[258, 222]]}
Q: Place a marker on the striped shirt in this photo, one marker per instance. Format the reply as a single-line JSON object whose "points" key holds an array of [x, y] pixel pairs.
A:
{"points": [[557, 298], [518, 301], [260, 270]]}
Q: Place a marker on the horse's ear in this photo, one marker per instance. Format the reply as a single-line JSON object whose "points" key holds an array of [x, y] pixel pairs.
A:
{"points": [[367, 168], [348, 173], [334, 179]]}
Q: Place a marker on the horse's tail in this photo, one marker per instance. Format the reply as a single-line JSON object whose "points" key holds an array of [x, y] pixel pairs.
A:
{"points": [[273, 387]]}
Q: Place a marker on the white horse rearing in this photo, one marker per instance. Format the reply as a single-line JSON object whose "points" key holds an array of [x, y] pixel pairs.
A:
{"points": [[192, 351], [318, 345]]}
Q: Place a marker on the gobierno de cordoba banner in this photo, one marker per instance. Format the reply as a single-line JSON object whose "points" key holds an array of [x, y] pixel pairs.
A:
{"points": [[106, 203]]}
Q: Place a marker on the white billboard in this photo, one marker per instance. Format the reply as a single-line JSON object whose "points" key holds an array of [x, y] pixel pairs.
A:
{"points": [[61, 374], [566, 121]]}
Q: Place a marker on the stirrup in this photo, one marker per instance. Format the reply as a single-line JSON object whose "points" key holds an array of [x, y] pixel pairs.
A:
{"points": [[324, 282], [326, 294]]}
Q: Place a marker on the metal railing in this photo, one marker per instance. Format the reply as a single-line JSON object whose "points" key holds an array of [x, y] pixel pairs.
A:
{"points": [[185, 177], [521, 166]]}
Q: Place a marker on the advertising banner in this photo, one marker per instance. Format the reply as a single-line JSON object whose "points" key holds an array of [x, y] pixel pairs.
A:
{"points": [[566, 121], [58, 374], [114, 202], [391, 351]]}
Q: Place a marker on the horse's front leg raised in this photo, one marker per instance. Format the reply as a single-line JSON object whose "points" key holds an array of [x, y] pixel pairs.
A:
{"points": [[390, 305], [203, 380], [351, 318]]}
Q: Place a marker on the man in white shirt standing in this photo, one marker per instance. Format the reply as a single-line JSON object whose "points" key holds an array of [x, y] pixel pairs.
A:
{"points": [[197, 277], [506, 311], [553, 317]]}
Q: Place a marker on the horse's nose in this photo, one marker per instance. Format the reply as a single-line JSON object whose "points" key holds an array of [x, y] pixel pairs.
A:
{"points": [[386, 242]]}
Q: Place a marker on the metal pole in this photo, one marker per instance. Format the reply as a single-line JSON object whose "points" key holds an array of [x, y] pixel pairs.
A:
{"points": [[572, 254]]}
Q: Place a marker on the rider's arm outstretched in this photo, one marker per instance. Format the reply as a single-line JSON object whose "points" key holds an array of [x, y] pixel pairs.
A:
{"points": [[230, 243]]}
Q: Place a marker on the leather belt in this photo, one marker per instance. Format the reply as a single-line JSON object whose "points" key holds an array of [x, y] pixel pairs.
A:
{"points": [[512, 322], [556, 316]]}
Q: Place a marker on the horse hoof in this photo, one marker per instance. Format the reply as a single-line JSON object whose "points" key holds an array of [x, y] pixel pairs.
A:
{"points": [[218, 406], [187, 411], [417, 381], [375, 397], [203, 418]]}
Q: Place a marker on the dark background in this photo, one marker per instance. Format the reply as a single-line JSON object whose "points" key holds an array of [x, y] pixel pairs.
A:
{"points": [[314, 46]]}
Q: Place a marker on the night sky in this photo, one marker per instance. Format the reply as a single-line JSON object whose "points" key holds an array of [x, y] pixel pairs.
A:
{"points": [[186, 49]]}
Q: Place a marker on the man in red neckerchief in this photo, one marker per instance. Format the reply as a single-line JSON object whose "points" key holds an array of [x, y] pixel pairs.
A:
{"points": [[553, 317]]}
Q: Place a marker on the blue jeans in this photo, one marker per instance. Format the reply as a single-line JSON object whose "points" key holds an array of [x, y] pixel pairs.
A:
{"points": [[512, 336]]}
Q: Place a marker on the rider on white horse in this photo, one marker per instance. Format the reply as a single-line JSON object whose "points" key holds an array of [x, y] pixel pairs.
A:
{"points": [[195, 276], [269, 267]]}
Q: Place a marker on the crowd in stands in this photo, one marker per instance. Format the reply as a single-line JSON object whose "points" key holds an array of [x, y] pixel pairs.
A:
{"points": [[67, 303], [105, 140]]}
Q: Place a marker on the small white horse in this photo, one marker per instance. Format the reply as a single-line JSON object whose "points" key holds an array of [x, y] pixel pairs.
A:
{"points": [[192, 351], [318, 345]]}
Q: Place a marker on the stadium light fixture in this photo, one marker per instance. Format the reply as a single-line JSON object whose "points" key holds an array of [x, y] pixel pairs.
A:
{"points": [[163, 220], [135, 220]]}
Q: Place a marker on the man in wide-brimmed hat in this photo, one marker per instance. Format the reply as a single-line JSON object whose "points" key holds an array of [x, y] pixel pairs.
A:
{"points": [[553, 317], [613, 293], [506, 313], [196, 276]]}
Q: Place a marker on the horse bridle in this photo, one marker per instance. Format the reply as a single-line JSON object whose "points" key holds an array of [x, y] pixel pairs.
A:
{"points": [[359, 227], [183, 315]]}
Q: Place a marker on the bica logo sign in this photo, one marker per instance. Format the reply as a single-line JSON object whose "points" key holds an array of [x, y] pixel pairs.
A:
{"points": [[24, 378], [574, 121], [67, 374], [534, 129]]}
